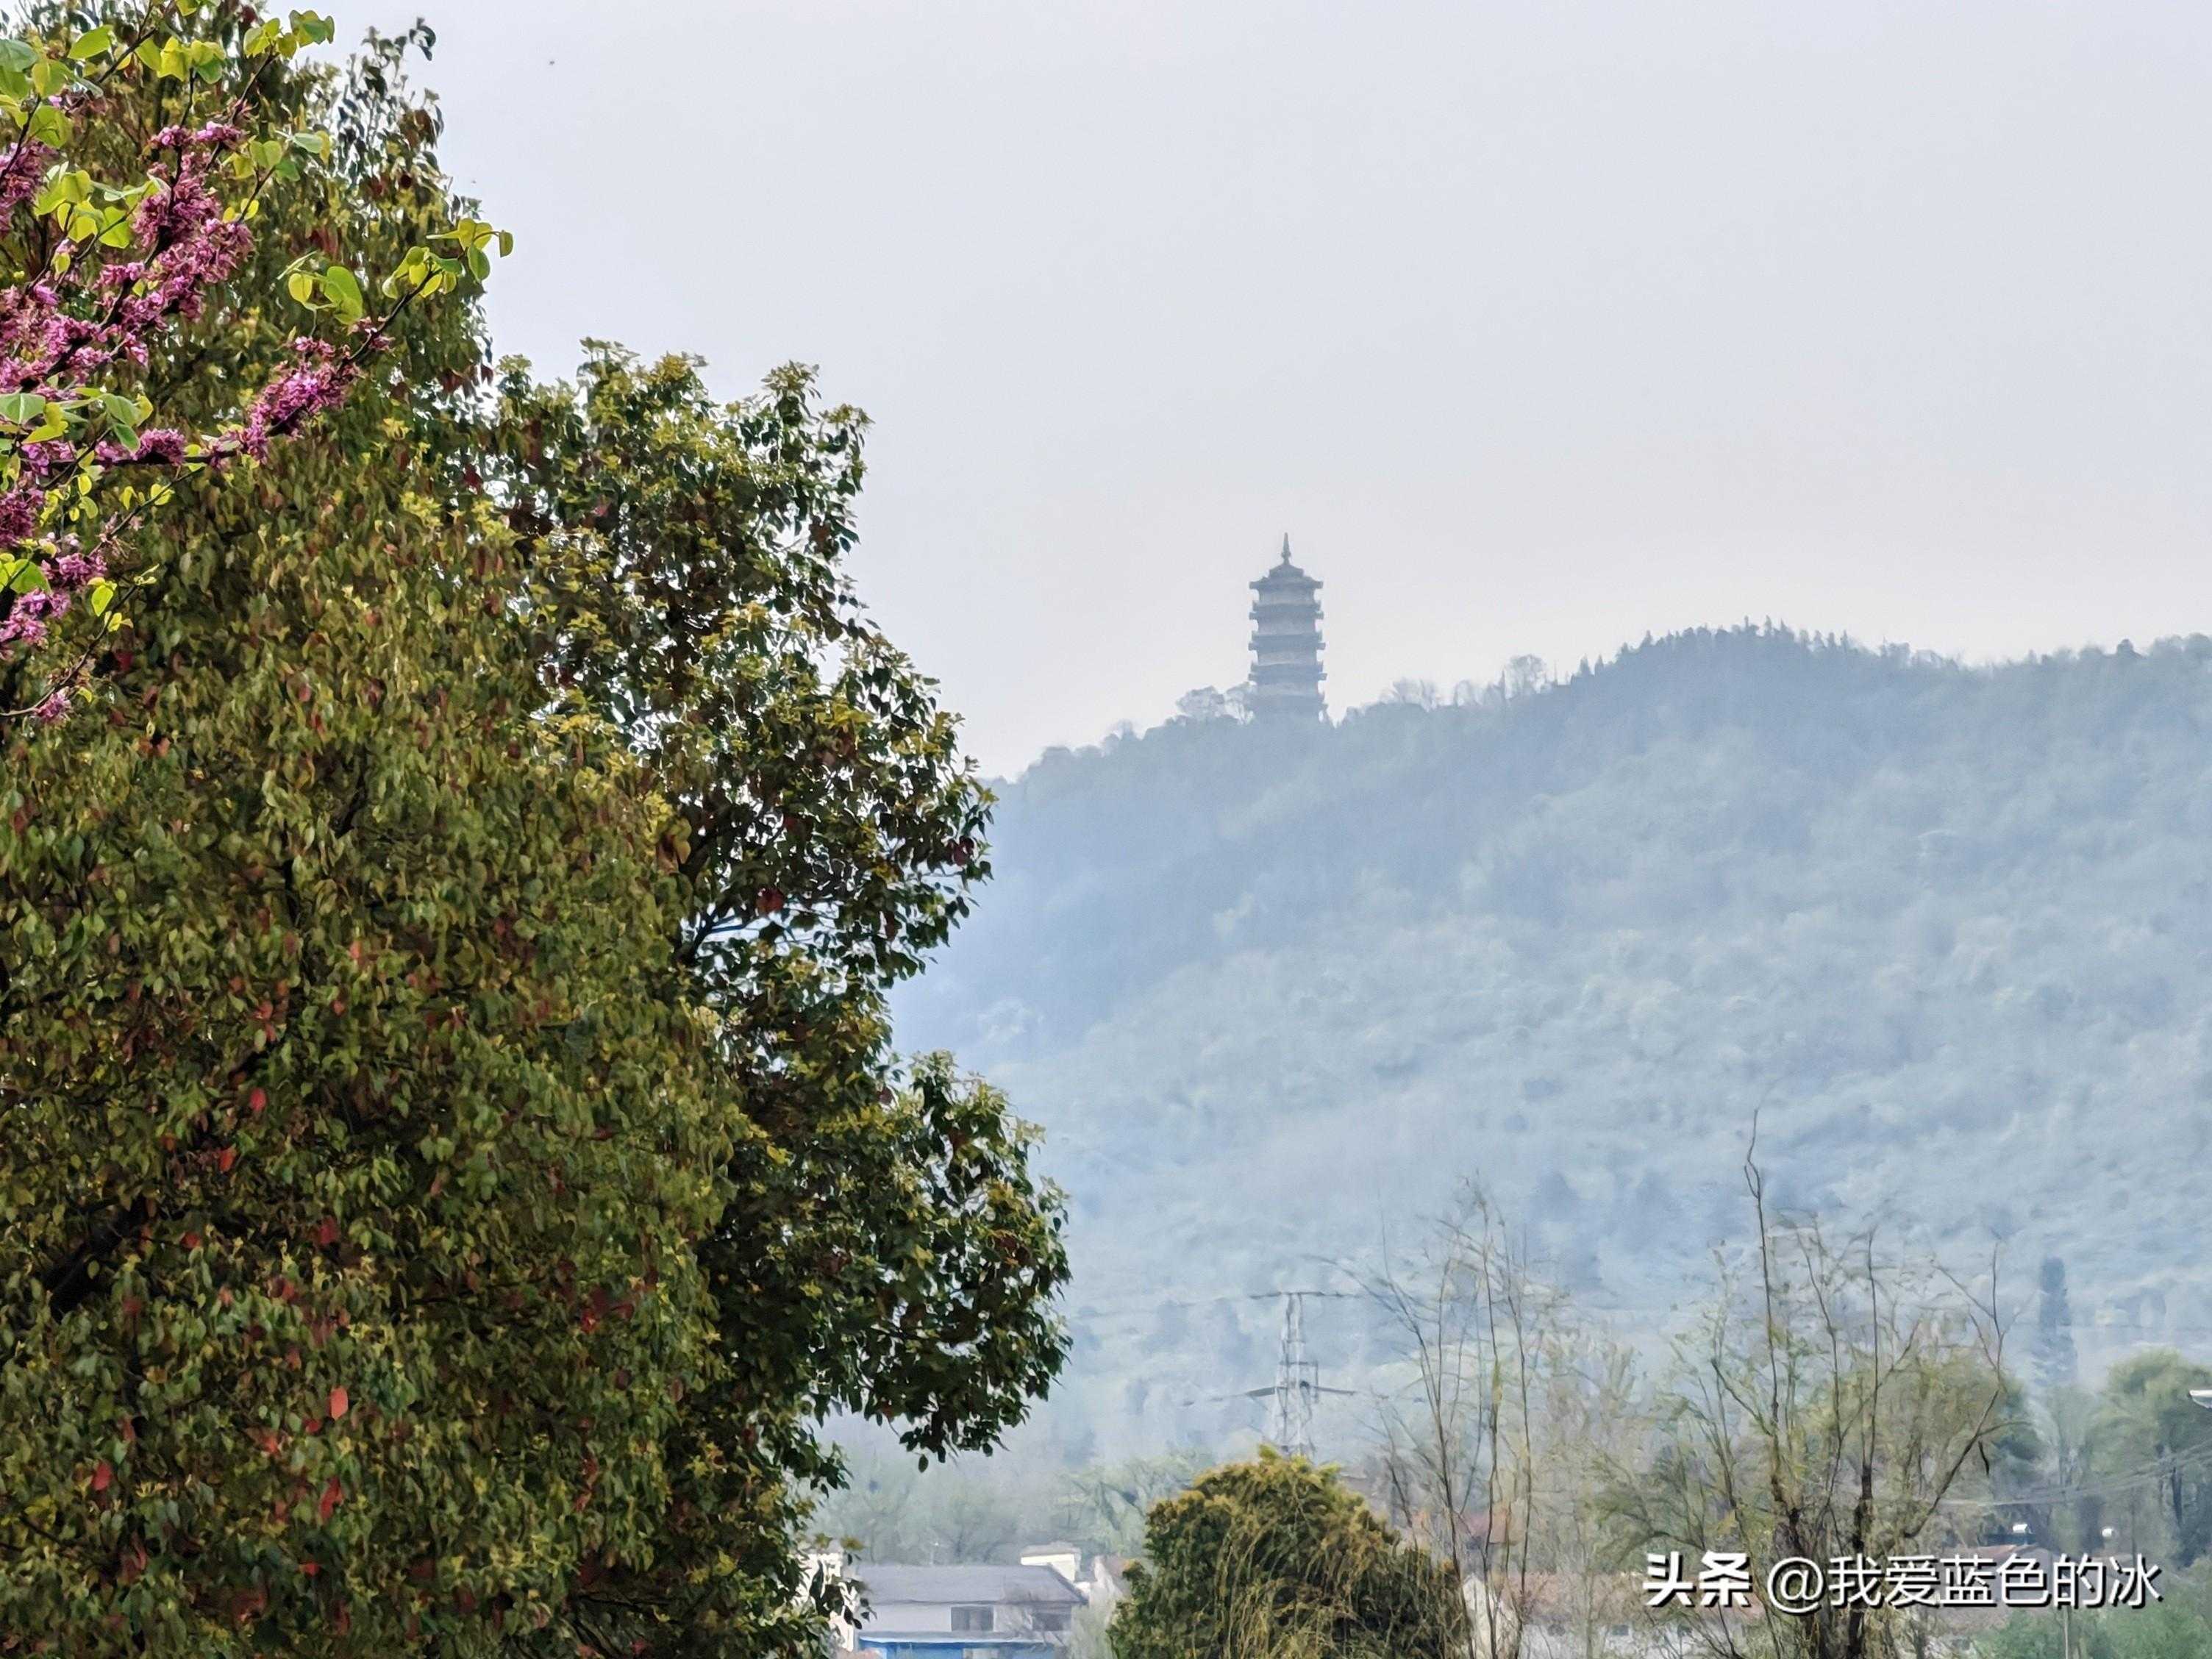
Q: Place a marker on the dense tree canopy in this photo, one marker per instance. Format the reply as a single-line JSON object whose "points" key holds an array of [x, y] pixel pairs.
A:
{"points": [[453, 1146], [353, 1153], [884, 1248]]}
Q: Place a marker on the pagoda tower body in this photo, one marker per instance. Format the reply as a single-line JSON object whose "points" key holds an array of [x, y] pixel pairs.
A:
{"points": [[1286, 671]]}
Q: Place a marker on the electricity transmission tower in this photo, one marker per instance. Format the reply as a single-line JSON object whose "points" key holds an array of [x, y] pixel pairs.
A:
{"points": [[1297, 1383], [1297, 1380]]}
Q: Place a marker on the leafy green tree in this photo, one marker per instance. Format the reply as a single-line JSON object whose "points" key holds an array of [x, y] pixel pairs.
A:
{"points": [[2161, 1631], [454, 1151], [1275, 1559], [2155, 1427], [2041, 1635], [354, 1153], [884, 1249]]}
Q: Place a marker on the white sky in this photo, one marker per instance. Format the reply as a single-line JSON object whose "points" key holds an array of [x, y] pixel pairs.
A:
{"points": [[1537, 325]]}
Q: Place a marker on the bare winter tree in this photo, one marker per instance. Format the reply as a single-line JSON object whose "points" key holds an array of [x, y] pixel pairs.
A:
{"points": [[1458, 1445], [1837, 1401]]}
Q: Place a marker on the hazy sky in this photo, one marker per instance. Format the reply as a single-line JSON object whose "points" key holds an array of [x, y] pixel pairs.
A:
{"points": [[1537, 325]]}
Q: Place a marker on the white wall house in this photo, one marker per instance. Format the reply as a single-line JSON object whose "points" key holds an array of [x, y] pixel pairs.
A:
{"points": [[966, 1612]]}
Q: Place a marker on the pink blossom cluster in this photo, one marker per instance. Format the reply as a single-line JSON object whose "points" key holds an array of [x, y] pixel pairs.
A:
{"points": [[317, 380], [186, 246], [32, 614], [21, 174], [60, 331]]}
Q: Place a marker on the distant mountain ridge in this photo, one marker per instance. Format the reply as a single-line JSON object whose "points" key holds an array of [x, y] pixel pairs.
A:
{"points": [[1948, 930]]}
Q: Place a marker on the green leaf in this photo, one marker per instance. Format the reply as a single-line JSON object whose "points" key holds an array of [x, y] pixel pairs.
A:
{"points": [[344, 289], [300, 285], [49, 126], [94, 42], [23, 408]]}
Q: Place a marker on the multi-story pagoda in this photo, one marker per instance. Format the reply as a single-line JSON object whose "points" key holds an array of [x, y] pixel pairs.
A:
{"points": [[1286, 672]]}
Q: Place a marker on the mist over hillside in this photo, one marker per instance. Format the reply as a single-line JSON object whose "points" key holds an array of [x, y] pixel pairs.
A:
{"points": [[1944, 929]]}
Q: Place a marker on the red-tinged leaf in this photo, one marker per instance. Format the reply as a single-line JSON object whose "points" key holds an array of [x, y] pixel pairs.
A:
{"points": [[191, 1241], [257, 1103], [102, 1475], [225, 1159], [311, 1568], [338, 1402], [327, 1234], [333, 1495]]}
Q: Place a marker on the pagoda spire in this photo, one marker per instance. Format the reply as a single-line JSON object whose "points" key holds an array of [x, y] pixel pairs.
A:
{"points": [[1286, 671]]}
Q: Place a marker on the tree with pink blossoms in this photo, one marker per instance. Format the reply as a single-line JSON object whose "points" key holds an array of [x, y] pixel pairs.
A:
{"points": [[113, 265]]}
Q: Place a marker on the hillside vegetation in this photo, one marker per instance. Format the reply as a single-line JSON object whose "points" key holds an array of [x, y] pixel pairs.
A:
{"points": [[1944, 929]]}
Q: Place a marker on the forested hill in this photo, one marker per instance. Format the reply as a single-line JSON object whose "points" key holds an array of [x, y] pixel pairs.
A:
{"points": [[1948, 930]]}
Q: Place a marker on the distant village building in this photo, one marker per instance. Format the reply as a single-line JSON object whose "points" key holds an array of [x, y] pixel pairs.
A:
{"points": [[1286, 671], [980, 1612]]}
